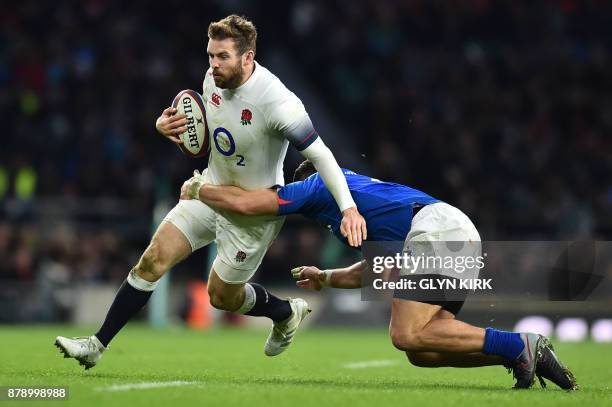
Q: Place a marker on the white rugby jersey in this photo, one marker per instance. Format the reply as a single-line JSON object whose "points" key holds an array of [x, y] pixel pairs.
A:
{"points": [[250, 129]]}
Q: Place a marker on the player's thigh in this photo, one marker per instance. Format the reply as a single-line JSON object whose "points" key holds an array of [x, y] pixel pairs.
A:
{"points": [[443, 314], [168, 246], [408, 318], [185, 228], [242, 247], [195, 220]]}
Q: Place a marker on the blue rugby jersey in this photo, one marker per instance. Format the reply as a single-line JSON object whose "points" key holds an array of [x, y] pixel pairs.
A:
{"points": [[387, 207]]}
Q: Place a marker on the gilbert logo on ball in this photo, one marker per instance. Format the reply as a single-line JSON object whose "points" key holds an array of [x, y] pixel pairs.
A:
{"points": [[196, 140]]}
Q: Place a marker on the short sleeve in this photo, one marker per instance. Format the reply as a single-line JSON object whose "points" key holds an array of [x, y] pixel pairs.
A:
{"points": [[289, 117]]}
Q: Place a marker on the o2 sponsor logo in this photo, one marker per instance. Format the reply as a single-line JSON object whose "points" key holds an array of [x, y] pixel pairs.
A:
{"points": [[226, 145]]}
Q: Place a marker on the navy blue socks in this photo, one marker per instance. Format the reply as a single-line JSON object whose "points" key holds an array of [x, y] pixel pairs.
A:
{"points": [[259, 302], [128, 301]]}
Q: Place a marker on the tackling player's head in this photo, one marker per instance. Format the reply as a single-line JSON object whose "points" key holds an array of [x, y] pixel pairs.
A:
{"points": [[303, 171], [231, 50]]}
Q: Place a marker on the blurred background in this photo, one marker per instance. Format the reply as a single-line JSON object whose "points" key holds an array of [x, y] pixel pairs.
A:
{"points": [[501, 108]]}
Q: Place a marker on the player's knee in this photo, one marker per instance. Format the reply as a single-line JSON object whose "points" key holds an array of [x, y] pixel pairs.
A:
{"points": [[221, 300], [399, 339], [152, 264], [216, 300], [408, 341]]}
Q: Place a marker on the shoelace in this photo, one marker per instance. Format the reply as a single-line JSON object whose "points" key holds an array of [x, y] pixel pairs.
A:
{"points": [[278, 334], [276, 331], [89, 345]]}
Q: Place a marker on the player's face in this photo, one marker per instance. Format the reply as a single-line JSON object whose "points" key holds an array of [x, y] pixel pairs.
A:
{"points": [[226, 63]]}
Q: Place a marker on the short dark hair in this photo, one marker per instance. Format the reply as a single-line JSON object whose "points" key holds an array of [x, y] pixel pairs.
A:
{"points": [[238, 28], [303, 171]]}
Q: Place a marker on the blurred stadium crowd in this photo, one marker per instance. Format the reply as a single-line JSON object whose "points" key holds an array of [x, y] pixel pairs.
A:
{"points": [[501, 108]]}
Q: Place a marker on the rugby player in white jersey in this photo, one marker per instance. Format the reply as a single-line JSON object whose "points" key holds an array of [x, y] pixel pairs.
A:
{"points": [[252, 118]]}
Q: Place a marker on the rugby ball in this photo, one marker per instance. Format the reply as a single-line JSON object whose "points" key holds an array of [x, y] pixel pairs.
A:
{"points": [[196, 140]]}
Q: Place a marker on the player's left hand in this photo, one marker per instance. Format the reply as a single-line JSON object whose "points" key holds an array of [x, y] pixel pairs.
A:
{"points": [[191, 188], [309, 277], [353, 227]]}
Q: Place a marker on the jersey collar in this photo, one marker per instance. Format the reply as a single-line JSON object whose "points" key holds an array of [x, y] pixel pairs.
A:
{"points": [[245, 87]]}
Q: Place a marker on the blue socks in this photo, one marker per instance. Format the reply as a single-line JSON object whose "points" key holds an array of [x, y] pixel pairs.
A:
{"points": [[508, 345]]}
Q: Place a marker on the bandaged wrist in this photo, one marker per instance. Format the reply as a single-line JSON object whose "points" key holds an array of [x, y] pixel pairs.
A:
{"points": [[193, 192], [326, 280]]}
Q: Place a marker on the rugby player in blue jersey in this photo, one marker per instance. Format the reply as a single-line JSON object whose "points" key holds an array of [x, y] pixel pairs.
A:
{"points": [[427, 331]]}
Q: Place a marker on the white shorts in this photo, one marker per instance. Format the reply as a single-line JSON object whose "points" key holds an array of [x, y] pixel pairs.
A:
{"points": [[441, 230], [242, 241]]}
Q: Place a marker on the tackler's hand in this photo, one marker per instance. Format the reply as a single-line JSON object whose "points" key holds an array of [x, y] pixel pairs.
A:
{"points": [[309, 277], [191, 188], [353, 227]]}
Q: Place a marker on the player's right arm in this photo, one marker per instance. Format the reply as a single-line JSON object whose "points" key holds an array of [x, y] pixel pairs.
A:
{"points": [[291, 198], [310, 277], [238, 200], [230, 198], [171, 124]]}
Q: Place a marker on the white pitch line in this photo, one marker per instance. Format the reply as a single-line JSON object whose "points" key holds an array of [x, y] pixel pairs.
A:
{"points": [[145, 385], [371, 363]]}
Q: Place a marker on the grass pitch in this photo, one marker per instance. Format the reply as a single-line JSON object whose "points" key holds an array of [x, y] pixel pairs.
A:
{"points": [[146, 367]]}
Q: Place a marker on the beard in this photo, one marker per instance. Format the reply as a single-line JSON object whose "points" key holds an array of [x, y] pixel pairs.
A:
{"points": [[231, 79]]}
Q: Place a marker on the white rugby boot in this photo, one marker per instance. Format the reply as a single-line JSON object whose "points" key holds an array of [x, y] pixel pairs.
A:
{"points": [[283, 332], [86, 349]]}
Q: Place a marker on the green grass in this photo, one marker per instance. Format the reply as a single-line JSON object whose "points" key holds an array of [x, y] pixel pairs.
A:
{"points": [[231, 370]]}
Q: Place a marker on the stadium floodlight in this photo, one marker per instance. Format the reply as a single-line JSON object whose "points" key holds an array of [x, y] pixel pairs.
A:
{"points": [[535, 323], [572, 329], [601, 330]]}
